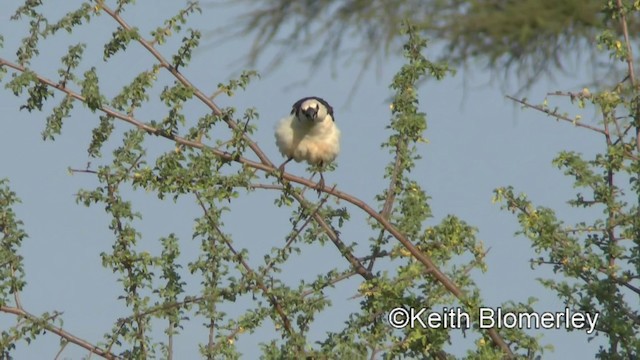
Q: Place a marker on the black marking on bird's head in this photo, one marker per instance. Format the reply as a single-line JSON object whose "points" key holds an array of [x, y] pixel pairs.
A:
{"points": [[311, 112]]}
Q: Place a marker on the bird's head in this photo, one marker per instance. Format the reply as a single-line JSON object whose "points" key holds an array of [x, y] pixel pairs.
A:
{"points": [[312, 109]]}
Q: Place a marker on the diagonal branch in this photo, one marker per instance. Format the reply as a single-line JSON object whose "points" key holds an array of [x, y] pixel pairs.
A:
{"points": [[556, 115], [184, 81], [269, 168], [295, 233], [335, 238], [60, 332], [267, 293]]}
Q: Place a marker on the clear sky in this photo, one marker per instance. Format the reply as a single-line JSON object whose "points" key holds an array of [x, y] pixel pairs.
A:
{"points": [[478, 140]]}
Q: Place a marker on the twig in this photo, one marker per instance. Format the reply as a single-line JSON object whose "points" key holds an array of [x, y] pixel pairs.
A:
{"points": [[60, 332], [210, 344], [389, 200], [82, 171], [268, 167], [16, 291], [182, 79], [295, 234], [335, 238], [630, 67], [333, 281], [272, 299], [62, 347], [556, 115]]}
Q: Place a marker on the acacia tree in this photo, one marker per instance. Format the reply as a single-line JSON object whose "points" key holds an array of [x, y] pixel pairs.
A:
{"points": [[215, 161], [597, 262], [521, 39]]}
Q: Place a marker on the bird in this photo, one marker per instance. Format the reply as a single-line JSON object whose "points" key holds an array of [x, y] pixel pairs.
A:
{"points": [[309, 134]]}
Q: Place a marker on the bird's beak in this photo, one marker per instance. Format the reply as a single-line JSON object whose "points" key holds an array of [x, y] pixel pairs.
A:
{"points": [[311, 112]]}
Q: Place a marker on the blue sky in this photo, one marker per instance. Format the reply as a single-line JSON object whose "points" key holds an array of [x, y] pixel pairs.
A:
{"points": [[478, 140]]}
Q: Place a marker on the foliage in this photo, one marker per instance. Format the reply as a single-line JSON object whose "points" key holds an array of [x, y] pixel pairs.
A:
{"points": [[413, 260], [597, 262], [212, 172], [529, 37]]}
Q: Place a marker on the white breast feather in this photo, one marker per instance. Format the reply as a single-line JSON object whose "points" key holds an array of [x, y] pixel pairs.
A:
{"points": [[310, 142]]}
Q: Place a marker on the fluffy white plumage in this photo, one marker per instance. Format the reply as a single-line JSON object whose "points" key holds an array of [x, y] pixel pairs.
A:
{"points": [[309, 133]]}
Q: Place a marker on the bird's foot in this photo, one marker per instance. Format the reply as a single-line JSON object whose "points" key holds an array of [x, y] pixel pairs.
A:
{"points": [[320, 185], [281, 167]]}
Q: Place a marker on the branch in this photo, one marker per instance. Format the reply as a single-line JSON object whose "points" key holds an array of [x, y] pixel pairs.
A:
{"points": [[556, 115], [268, 167], [184, 81], [333, 281], [60, 332], [271, 169], [272, 298], [335, 238], [389, 200], [632, 75], [295, 233]]}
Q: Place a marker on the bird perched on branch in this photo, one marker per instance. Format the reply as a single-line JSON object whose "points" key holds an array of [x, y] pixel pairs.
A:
{"points": [[309, 133]]}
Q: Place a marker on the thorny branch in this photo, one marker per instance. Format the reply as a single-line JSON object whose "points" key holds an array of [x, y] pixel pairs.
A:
{"points": [[632, 75], [387, 208], [267, 166], [272, 299], [60, 332], [555, 114]]}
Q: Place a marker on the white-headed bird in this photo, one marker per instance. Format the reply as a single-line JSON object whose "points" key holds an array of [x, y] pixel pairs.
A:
{"points": [[309, 134]]}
